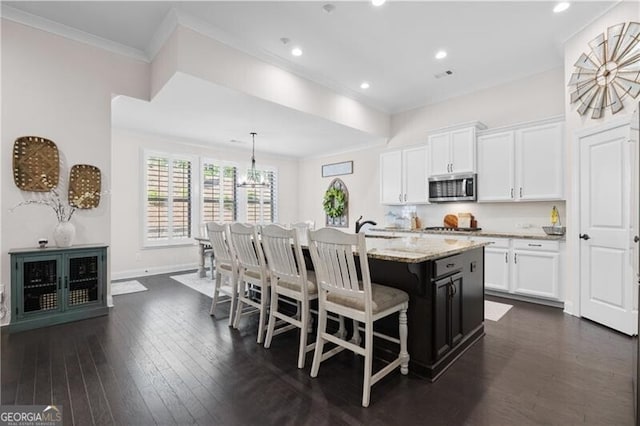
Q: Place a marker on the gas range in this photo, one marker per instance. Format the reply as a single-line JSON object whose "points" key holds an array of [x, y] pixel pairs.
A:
{"points": [[444, 228]]}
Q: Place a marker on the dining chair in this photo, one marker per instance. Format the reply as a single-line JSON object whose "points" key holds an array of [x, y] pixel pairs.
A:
{"points": [[253, 277], [227, 267], [289, 278], [342, 292]]}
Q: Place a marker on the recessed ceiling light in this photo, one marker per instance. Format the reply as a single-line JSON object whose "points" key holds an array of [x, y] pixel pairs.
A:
{"points": [[561, 7], [296, 51], [328, 8], [364, 85], [441, 54], [377, 2]]}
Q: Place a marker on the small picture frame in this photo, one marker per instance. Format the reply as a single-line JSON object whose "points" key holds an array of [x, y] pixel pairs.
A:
{"points": [[337, 169]]}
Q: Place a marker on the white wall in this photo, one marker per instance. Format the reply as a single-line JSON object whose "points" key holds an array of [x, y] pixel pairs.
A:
{"points": [[537, 97], [574, 47], [128, 257], [59, 89], [533, 98], [196, 54]]}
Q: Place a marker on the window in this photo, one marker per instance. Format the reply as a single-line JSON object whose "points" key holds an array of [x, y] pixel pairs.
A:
{"points": [[218, 192], [181, 193], [168, 199], [261, 202]]}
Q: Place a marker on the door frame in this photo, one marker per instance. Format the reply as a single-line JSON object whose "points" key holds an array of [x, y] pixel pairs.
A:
{"points": [[572, 303]]}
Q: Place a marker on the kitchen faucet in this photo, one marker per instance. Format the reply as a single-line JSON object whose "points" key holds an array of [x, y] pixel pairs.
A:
{"points": [[359, 224]]}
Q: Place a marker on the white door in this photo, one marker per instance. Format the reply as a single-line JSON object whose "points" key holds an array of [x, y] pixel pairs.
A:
{"points": [[539, 162], [495, 167], [605, 270], [439, 154], [391, 177], [415, 175], [463, 150]]}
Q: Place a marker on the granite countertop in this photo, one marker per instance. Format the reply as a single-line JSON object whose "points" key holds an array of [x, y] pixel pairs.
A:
{"points": [[494, 234], [414, 249]]}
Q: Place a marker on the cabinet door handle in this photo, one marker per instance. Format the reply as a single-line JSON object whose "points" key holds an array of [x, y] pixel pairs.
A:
{"points": [[520, 192], [511, 192], [636, 239], [405, 197], [400, 197], [66, 282], [535, 245], [515, 258], [506, 258], [59, 284], [450, 265]]}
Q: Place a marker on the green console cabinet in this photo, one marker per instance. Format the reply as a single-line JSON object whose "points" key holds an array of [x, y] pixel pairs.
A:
{"points": [[55, 285]]}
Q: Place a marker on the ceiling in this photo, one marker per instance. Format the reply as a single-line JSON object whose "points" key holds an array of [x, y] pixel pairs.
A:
{"points": [[392, 47], [201, 112]]}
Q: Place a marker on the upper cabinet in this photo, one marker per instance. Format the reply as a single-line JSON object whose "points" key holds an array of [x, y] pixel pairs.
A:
{"points": [[453, 151], [522, 164], [403, 176]]}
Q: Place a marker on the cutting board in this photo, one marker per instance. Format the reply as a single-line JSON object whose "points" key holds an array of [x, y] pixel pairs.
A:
{"points": [[451, 221]]}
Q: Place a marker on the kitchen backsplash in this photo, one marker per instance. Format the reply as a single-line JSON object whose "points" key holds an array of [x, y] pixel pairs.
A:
{"points": [[526, 217]]}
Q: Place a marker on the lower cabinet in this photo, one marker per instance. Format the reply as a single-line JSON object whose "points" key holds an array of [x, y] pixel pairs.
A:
{"points": [[56, 285], [536, 268], [524, 267], [448, 313], [496, 265]]}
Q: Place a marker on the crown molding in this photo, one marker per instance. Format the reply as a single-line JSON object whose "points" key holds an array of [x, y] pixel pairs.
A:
{"points": [[171, 21], [162, 34], [65, 31]]}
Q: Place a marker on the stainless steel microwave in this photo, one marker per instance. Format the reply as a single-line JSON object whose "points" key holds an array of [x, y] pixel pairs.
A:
{"points": [[457, 187]]}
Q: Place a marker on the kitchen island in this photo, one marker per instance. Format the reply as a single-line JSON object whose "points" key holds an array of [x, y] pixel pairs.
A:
{"points": [[445, 283]]}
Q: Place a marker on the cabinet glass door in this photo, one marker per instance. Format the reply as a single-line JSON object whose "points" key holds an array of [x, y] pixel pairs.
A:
{"points": [[40, 285], [82, 286]]}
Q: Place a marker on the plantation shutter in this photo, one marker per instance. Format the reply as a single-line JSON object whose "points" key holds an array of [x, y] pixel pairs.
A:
{"points": [[219, 193], [168, 199]]}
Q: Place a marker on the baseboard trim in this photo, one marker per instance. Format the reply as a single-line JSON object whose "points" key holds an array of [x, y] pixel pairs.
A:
{"points": [[154, 270], [522, 298]]}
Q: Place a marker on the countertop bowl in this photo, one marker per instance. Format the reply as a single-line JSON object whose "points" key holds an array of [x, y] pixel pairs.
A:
{"points": [[554, 230]]}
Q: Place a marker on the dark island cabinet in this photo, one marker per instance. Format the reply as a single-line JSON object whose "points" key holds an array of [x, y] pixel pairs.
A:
{"points": [[447, 314], [446, 308], [55, 285]]}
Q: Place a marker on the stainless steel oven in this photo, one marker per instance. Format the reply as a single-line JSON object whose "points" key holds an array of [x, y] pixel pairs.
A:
{"points": [[457, 187]]}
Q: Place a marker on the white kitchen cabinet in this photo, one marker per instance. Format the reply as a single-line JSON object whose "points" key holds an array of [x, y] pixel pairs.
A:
{"points": [[523, 267], [403, 176], [495, 167], [536, 268], [452, 151], [539, 157], [496, 265], [522, 164]]}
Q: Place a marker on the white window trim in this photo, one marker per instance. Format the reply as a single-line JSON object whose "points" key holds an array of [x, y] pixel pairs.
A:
{"points": [[195, 195]]}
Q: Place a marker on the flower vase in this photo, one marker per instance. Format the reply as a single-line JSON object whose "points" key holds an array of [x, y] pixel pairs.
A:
{"points": [[64, 233]]}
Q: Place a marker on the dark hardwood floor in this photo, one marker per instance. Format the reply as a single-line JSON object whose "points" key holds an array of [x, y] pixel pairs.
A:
{"points": [[159, 358]]}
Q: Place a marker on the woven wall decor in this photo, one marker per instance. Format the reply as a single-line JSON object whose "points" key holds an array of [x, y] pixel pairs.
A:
{"points": [[36, 164], [84, 186]]}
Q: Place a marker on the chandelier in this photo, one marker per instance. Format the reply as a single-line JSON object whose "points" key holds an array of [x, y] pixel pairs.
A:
{"points": [[253, 179]]}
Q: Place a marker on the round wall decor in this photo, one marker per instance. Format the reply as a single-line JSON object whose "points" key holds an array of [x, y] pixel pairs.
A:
{"points": [[609, 71]]}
